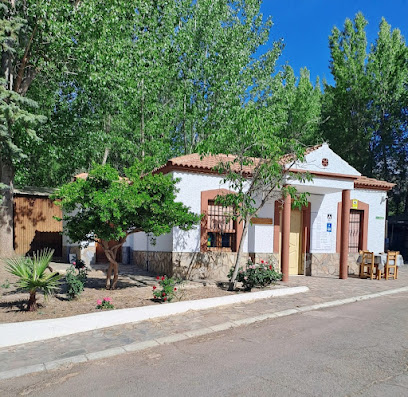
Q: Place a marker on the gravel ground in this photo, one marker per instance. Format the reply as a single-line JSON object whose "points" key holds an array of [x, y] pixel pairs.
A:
{"points": [[134, 289]]}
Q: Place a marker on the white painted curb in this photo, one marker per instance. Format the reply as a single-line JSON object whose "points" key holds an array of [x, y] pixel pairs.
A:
{"points": [[32, 331]]}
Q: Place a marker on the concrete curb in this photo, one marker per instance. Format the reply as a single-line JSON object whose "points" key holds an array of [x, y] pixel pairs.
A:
{"points": [[138, 346], [33, 331]]}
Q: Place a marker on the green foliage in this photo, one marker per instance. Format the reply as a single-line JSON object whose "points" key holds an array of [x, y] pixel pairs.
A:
{"points": [[366, 108], [167, 290], [75, 280], [32, 275], [256, 275], [105, 304], [107, 207]]}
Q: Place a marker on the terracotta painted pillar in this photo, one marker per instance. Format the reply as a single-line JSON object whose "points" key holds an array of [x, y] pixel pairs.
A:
{"points": [[344, 233], [287, 204]]}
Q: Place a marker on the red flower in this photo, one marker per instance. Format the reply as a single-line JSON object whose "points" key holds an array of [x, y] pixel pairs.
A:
{"points": [[270, 267], [163, 278], [262, 261], [164, 294], [154, 287], [175, 289], [158, 278], [165, 299]]}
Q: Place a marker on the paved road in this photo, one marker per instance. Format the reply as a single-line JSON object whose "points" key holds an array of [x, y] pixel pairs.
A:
{"points": [[359, 349]]}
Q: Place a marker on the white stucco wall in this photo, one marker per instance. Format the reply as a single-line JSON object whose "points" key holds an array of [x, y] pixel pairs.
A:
{"points": [[140, 242], [377, 201], [323, 207], [260, 237], [313, 162], [191, 185]]}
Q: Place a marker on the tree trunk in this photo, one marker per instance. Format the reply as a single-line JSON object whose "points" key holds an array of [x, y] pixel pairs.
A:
{"points": [[6, 209], [32, 302], [233, 283], [113, 264]]}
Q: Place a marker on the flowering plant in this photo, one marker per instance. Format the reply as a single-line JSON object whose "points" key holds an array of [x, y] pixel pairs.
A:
{"points": [[105, 303], [256, 275], [167, 289], [79, 264]]}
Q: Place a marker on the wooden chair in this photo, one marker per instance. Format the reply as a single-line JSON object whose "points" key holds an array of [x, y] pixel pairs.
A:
{"points": [[391, 264], [367, 261]]}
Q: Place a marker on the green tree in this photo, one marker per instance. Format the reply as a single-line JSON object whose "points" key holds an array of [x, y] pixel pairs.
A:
{"points": [[366, 108], [106, 207]]}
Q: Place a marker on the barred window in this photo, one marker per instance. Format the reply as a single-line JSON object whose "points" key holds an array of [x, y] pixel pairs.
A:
{"points": [[221, 228]]}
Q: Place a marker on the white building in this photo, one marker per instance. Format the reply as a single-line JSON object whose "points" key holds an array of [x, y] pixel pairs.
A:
{"points": [[308, 243]]}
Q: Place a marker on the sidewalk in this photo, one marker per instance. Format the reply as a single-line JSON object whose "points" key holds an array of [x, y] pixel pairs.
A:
{"points": [[54, 353]]}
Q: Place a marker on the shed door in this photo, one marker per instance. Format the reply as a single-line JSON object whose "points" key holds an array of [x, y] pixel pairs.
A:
{"points": [[35, 227]]}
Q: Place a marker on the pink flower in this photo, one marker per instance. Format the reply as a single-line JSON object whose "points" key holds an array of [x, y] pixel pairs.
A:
{"points": [[99, 302], [74, 263], [107, 299], [245, 278], [175, 289]]}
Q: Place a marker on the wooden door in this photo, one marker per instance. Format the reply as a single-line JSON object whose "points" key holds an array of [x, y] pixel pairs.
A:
{"points": [[295, 242]]}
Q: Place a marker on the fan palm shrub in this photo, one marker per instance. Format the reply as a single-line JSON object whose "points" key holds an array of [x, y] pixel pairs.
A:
{"points": [[32, 275]]}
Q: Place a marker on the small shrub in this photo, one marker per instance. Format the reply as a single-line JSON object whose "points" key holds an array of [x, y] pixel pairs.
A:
{"points": [[167, 289], [32, 275], [76, 280], [6, 284], [105, 304], [256, 275]]}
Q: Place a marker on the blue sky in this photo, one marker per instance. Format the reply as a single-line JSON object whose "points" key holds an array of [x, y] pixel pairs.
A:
{"points": [[305, 26]]}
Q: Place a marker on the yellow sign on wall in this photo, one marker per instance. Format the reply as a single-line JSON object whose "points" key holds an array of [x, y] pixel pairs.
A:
{"points": [[354, 204]]}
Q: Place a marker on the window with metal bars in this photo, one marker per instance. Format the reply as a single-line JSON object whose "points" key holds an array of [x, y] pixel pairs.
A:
{"points": [[355, 231], [221, 228]]}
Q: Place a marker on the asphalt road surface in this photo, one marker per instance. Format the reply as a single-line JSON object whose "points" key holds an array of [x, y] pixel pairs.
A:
{"points": [[359, 349]]}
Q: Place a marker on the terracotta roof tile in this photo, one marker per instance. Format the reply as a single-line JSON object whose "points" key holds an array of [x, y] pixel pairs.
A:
{"points": [[287, 158], [364, 182], [207, 163]]}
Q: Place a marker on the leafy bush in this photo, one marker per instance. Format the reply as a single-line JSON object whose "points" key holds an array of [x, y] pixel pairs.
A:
{"points": [[32, 275], [105, 304], [75, 281], [167, 290], [256, 275]]}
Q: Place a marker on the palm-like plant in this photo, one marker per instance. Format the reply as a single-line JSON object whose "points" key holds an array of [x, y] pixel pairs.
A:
{"points": [[32, 275]]}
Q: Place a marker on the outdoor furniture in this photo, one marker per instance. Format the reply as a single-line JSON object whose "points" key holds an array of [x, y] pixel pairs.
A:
{"points": [[367, 261], [380, 261], [391, 264]]}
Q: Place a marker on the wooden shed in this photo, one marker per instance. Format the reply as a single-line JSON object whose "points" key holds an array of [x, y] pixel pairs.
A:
{"points": [[34, 225]]}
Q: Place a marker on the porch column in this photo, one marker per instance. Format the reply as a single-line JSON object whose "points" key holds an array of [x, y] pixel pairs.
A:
{"points": [[344, 236], [287, 204]]}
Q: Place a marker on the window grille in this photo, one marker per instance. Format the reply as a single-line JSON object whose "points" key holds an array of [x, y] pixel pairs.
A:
{"points": [[221, 228], [355, 231]]}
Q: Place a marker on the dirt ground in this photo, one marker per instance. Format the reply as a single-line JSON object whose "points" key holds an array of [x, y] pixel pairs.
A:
{"points": [[134, 289]]}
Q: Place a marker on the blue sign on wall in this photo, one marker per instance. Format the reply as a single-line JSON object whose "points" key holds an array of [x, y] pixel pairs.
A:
{"points": [[329, 227]]}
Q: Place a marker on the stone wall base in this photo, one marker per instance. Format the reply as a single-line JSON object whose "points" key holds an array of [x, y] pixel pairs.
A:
{"points": [[329, 264], [216, 265]]}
